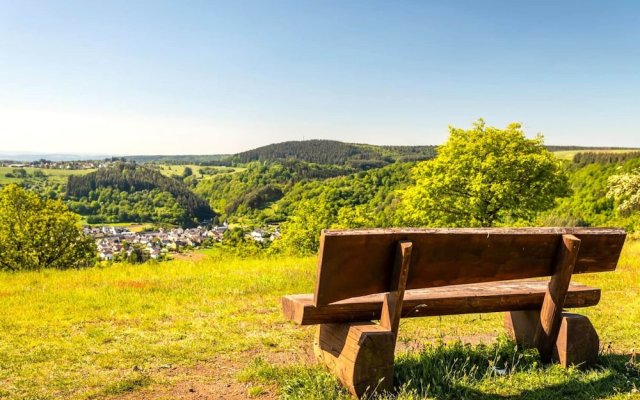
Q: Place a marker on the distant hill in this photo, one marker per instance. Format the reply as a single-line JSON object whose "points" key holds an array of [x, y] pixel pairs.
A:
{"points": [[585, 148], [334, 152], [127, 192], [28, 157], [200, 159]]}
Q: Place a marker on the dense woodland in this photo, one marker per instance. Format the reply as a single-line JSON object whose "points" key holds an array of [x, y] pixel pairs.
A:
{"points": [[128, 192], [345, 188], [591, 157], [331, 152]]}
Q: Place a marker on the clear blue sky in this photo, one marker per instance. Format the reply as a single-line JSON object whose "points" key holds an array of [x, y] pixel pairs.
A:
{"points": [[218, 77]]}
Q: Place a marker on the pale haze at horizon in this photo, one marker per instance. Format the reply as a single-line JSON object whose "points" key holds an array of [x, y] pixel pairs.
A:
{"points": [[221, 77]]}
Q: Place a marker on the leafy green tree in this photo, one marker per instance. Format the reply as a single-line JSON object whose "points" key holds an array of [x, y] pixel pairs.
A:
{"points": [[482, 177], [187, 172], [20, 173], [301, 233], [625, 188], [39, 174], [38, 233], [137, 255]]}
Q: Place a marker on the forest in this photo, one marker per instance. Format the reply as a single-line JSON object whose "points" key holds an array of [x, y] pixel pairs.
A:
{"points": [[277, 184], [129, 192]]}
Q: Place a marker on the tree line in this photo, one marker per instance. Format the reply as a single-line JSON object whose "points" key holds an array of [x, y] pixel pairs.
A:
{"points": [[123, 182], [604, 157]]}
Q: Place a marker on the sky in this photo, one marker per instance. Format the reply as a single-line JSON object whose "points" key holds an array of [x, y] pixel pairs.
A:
{"points": [[213, 77]]}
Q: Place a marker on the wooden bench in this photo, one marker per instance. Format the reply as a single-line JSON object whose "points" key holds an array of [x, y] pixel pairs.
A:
{"points": [[363, 275]]}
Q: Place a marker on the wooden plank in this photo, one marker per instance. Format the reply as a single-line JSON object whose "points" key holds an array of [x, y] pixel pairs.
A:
{"points": [[554, 298], [450, 300], [392, 303], [356, 263]]}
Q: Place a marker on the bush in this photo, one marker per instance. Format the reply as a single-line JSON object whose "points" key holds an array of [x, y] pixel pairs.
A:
{"points": [[38, 233]]}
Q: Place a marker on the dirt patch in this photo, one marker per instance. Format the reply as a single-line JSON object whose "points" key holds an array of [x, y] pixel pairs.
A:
{"points": [[192, 256], [212, 381], [217, 380]]}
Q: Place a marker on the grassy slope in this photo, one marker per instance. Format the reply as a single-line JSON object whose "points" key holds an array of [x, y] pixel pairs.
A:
{"points": [[107, 331], [568, 154], [54, 175]]}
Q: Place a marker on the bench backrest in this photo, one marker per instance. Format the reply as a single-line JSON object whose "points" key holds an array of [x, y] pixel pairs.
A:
{"points": [[359, 262]]}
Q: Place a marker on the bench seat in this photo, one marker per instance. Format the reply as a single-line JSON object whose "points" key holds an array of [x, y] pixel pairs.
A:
{"points": [[446, 300]]}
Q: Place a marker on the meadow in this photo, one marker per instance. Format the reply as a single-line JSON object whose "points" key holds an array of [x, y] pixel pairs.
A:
{"points": [[178, 169], [569, 154], [210, 325], [53, 175]]}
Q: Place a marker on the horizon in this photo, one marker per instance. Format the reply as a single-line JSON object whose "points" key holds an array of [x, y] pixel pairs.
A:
{"points": [[27, 156], [220, 78]]}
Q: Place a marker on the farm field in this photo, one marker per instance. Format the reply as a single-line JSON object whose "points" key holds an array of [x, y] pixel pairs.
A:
{"points": [[210, 326], [569, 154], [53, 175], [178, 169]]}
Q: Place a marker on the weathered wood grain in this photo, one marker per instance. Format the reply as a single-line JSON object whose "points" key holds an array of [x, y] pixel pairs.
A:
{"points": [[450, 300], [554, 298], [358, 262], [392, 302], [578, 342], [359, 354]]}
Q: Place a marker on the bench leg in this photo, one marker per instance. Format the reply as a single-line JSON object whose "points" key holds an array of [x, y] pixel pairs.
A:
{"points": [[521, 326], [359, 354], [577, 344]]}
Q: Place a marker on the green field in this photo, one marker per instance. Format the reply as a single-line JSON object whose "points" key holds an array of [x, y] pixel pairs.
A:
{"points": [[53, 175], [170, 169], [210, 325], [569, 154], [61, 175]]}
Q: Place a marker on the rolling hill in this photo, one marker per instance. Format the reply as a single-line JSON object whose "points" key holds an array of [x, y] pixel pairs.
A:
{"points": [[362, 156]]}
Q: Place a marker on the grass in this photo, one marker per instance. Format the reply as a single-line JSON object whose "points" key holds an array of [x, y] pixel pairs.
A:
{"points": [[138, 330], [171, 169], [53, 175], [568, 154]]}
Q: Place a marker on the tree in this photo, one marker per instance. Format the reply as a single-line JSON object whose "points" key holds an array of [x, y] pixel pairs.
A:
{"points": [[20, 173], [187, 172], [301, 232], [484, 176], [38, 233], [625, 189]]}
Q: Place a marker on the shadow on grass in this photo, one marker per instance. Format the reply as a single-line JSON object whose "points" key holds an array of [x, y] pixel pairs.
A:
{"points": [[459, 371], [500, 371]]}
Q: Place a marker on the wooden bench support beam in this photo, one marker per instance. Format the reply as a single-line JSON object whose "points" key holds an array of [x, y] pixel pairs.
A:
{"points": [[361, 354], [521, 326], [551, 313], [577, 343], [392, 303]]}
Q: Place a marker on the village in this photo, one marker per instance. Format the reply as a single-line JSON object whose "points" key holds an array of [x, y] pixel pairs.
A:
{"points": [[117, 243], [68, 165]]}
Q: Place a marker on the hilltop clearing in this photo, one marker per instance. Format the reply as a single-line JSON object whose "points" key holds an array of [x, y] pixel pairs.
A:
{"points": [[211, 326]]}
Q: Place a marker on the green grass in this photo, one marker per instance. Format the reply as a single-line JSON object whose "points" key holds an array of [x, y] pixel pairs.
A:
{"points": [[170, 169], [54, 175], [128, 330], [568, 154]]}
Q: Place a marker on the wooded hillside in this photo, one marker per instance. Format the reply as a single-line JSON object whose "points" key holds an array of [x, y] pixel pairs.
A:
{"points": [[128, 192], [334, 152]]}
